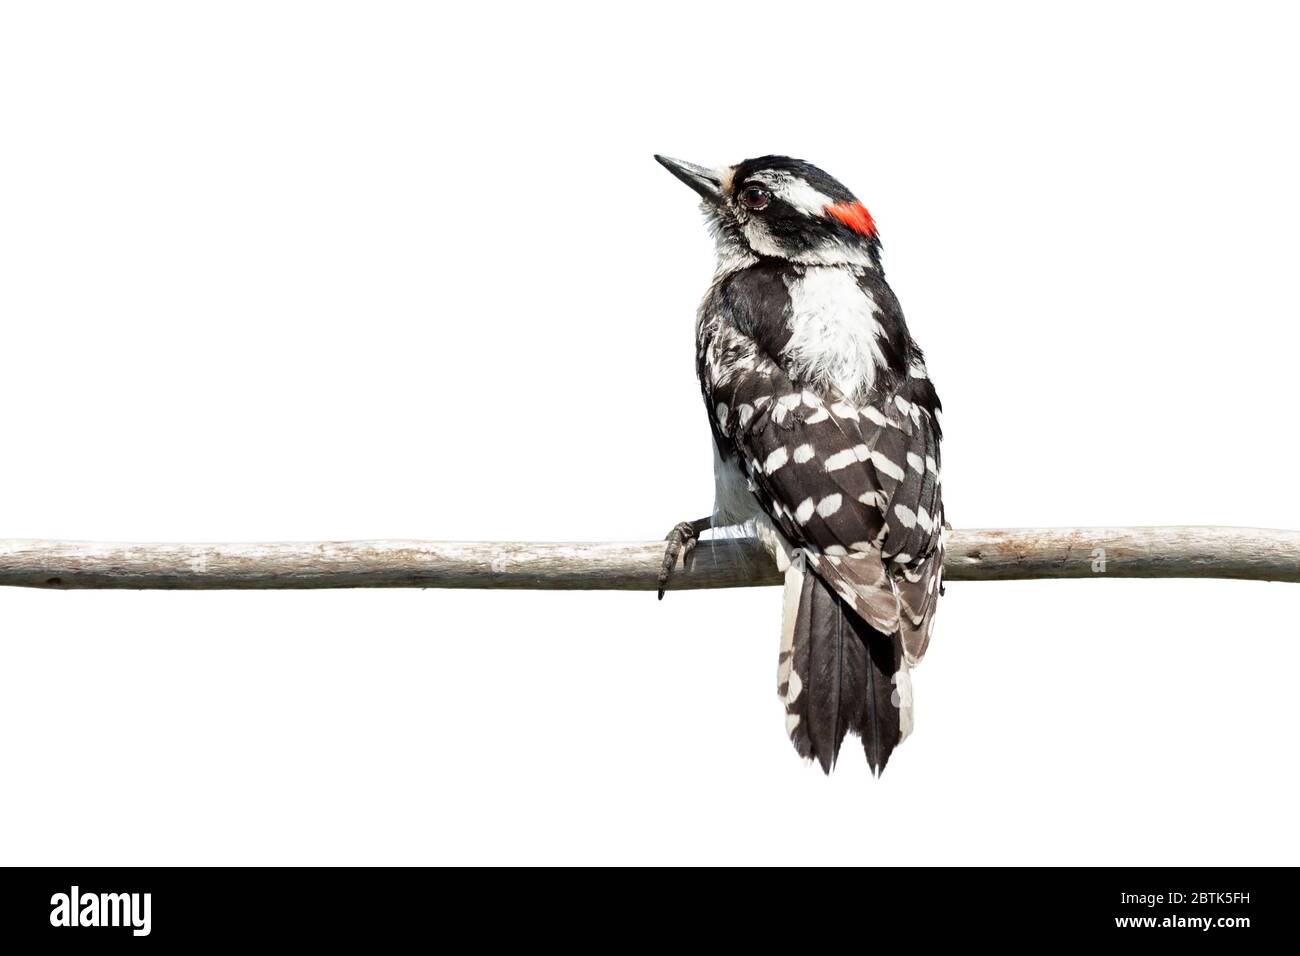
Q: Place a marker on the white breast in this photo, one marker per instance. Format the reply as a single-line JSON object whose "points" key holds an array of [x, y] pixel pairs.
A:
{"points": [[833, 331]]}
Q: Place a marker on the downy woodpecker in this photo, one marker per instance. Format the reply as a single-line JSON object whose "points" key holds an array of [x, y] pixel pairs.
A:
{"points": [[826, 440]]}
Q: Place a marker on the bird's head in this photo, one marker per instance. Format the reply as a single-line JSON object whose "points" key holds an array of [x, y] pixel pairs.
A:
{"points": [[783, 208]]}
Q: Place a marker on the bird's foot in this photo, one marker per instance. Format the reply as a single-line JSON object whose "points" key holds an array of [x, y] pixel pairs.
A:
{"points": [[681, 541]]}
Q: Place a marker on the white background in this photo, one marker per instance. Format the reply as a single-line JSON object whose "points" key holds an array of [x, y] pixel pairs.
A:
{"points": [[312, 271]]}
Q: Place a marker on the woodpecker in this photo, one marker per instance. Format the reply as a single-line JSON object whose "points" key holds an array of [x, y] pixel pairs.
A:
{"points": [[826, 444]]}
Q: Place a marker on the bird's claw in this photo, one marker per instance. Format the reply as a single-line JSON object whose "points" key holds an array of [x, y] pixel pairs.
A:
{"points": [[681, 541]]}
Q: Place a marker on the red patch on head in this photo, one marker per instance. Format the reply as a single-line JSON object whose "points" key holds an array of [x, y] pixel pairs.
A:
{"points": [[854, 215]]}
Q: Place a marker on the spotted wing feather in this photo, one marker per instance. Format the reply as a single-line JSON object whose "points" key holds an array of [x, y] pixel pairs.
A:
{"points": [[855, 486]]}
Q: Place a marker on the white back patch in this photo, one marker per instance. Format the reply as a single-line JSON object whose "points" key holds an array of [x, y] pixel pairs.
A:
{"points": [[833, 331]]}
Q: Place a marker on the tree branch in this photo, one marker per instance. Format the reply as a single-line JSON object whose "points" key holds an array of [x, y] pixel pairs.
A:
{"points": [[978, 555]]}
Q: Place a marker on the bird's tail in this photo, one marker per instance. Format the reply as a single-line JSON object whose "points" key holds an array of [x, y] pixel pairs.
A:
{"points": [[838, 673]]}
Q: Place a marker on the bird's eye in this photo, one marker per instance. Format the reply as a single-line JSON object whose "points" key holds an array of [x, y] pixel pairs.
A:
{"points": [[754, 197]]}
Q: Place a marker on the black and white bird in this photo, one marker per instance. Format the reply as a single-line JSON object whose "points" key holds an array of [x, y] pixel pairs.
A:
{"points": [[826, 440]]}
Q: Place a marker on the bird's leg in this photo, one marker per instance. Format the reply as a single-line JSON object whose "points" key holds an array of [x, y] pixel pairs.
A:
{"points": [[681, 540]]}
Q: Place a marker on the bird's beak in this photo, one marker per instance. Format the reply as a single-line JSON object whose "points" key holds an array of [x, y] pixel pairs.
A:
{"points": [[706, 182]]}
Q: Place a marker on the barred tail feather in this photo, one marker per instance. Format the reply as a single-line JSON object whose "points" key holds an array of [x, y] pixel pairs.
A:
{"points": [[837, 674]]}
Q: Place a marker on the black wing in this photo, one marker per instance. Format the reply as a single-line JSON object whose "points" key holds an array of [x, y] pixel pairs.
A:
{"points": [[854, 485]]}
